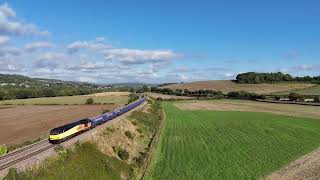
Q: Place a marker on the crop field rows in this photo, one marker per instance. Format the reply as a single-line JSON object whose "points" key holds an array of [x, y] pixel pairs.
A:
{"points": [[204, 144]]}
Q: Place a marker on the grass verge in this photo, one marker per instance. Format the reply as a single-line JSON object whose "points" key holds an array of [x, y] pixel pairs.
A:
{"points": [[82, 162]]}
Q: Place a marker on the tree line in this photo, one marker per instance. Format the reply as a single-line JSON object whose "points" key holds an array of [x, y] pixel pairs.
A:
{"points": [[210, 94], [257, 78], [25, 93]]}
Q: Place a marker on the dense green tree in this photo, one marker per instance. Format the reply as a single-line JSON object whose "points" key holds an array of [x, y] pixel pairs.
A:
{"points": [[89, 101], [256, 78], [296, 97]]}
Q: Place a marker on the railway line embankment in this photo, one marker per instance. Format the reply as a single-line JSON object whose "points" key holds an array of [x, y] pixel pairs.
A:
{"points": [[33, 155]]}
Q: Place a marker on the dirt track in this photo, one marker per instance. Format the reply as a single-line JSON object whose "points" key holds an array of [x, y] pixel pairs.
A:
{"points": [[22, 123]]}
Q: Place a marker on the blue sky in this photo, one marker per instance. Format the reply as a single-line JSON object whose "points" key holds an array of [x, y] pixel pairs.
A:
{"points": [[158, 41]]}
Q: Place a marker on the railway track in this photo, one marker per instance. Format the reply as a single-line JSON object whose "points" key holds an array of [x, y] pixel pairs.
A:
{"points": [[24, 153], [19, 155]]}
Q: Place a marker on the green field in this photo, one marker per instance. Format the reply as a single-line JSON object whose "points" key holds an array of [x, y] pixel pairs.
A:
{"points": [[66, 100], [314, 90], [199, 144]]}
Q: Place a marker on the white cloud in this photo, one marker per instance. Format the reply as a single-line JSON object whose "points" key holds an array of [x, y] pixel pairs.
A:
{"points": [[9, 65], [9, 50], [6, 11], [51, 56], [11, 25], [301, 68], [100, 39], [49, 60], [138, 56], [87, 79], [4, 39], [87, 66], [38, 45], [91, 45]]}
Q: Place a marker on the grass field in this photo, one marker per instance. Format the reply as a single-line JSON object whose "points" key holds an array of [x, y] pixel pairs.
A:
{"points": [[315, 90], [251, 106], [64, 100], [226, 86], [197, 144]]}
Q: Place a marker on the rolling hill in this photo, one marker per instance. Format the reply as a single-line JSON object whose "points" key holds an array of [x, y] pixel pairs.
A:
{"points": [[227, 86]]}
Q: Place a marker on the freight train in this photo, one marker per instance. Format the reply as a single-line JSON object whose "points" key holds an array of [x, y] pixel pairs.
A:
{"points": [[65, 132]]}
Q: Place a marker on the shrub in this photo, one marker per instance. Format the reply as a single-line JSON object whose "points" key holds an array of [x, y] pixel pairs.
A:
{"points": [[140, 159], [3, 150], [294, 97], [140, 130], [13, 174], [277, 97], [134, 122], [122, 153], [89, 101], [129, 134], [132, 97], [105, 111], [60, 150]]}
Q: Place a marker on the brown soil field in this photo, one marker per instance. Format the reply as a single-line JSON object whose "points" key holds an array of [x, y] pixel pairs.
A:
{"points": [[165, 97], [306, 167], [227, 86], [253, 106], [21, 123]]}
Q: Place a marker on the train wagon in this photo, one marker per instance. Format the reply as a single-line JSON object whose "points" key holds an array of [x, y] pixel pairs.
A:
{"points": [[65, 132]]}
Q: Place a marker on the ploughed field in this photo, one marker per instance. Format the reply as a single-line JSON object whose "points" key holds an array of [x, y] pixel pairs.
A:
{"points": [[207, 144], [22, 123]]}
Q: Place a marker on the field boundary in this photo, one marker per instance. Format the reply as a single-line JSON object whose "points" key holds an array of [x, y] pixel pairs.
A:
{"points": [[153, 146], [287, 102]]}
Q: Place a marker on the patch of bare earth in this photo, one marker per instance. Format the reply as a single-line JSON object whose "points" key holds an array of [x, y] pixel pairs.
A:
{"points": [[22, 123], [252, 106], [307, 167], [227, 86]]}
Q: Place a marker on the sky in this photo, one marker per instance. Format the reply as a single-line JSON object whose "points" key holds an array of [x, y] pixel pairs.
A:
{"points": [[158, 41]]}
